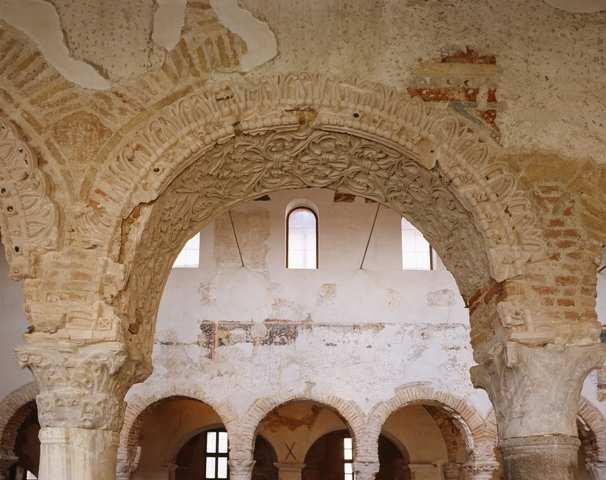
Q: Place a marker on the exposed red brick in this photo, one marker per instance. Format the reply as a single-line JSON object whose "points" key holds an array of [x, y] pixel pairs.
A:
{"points": [[470, 56], [566, 302]]}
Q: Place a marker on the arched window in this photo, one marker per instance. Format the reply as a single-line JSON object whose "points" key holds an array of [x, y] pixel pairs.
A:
{"points": [[216, 452], [302, 239], [417, 253]]}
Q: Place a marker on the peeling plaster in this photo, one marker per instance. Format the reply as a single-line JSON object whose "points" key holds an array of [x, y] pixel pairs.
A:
{"points": [[169, 20], [40, 21], [579, 6], [260, 40]]}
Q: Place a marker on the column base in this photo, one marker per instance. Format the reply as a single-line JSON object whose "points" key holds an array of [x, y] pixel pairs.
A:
{"points": [[552, 457]]}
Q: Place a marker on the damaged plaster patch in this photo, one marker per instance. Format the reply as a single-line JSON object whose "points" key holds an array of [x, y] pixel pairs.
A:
{"points": [[441, 298], [260, 40], [40, 21], [168, 22], [579, 6]]}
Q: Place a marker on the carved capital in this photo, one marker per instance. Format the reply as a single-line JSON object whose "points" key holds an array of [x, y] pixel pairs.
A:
{"points": [[81, 387], [527, 384]]}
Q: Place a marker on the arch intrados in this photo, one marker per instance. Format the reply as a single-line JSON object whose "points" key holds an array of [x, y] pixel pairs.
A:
{"points": [[398, 444], [181, 442], [137, 409], [479, 440], [351, 415]]}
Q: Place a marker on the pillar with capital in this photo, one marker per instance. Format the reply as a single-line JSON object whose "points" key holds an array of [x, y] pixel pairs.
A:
{"points": [[366, 469], [535, 391], [80, 405]]}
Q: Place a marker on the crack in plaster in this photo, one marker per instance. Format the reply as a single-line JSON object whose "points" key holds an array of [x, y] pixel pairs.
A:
{"points": [[260, 40], [44, 27]]}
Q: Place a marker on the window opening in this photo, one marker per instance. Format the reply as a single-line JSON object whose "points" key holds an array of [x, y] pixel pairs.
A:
{"points": [[189, 257], [217, 452], [348, 458], [302, 239], [417, 253]]}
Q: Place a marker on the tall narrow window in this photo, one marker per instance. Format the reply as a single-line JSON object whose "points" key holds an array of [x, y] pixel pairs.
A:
{"points": [[416, 252], [189, 257], [348, 458], [302, 239], [217, 449]]}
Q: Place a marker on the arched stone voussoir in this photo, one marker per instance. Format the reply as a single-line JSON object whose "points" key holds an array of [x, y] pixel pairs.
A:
{"points": [[249, 423], [480, 439]]}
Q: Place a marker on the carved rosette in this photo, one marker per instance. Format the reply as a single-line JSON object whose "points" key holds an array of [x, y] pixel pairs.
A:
{"points": [[510, 376], [29, 220], [81, 387]]}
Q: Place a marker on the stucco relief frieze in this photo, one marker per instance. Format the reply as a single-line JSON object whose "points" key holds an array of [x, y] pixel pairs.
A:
{"points": [[29, 219], [80, 387]]}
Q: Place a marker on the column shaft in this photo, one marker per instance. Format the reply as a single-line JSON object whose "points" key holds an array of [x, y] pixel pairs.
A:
{"points": [[548, 456]]}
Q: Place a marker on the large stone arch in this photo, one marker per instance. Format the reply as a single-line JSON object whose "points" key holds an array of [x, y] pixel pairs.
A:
{"points": [[480, 440], [353, 416], [14, 409], [593, 444], [138, 404], [195, 156]]}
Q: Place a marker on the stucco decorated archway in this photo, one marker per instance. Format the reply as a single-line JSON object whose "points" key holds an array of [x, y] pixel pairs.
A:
{"points": [[96, 261]]}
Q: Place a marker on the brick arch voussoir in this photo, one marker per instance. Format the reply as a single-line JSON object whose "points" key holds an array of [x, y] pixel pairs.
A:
{"points": [[138, 405], [596, 422], [480, 440], [351, 413], [146, 157], [13, 412]]}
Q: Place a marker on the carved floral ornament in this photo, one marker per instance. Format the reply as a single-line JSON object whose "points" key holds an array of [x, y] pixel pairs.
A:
{"points": [[210, 149]]}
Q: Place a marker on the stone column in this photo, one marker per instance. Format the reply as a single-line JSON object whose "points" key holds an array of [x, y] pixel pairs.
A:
{"points": [[80, 405], [424, 471], [7, 460], [535, 391], [289, 471], [241, 468], [366, 469]]}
